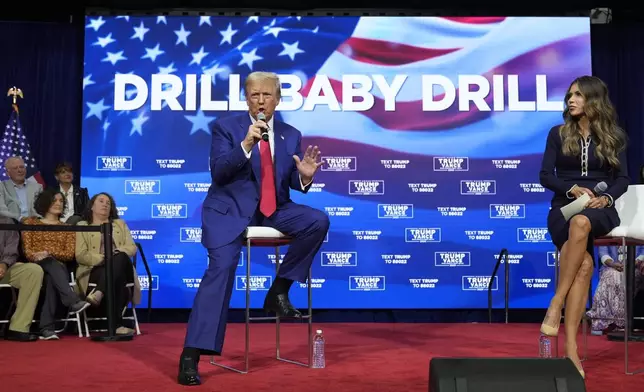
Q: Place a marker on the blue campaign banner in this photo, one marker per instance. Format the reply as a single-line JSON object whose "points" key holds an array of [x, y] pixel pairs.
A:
{"points": [[431, 131]]}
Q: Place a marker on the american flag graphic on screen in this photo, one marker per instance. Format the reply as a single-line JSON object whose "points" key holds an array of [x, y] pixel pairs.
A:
{"points": [[391, 144]]}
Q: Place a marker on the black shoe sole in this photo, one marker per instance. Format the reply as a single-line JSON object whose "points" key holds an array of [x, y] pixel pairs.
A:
{"points": [[183, 380], [297, 316]]}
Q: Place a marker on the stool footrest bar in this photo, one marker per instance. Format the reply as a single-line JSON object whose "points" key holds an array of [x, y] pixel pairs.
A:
{"points": [[293, 362], [212, 362]]}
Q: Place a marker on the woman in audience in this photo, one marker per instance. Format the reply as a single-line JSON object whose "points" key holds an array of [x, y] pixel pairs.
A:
{"points": [[50, 249], [76, 197], [90, 257], [608, 311]]}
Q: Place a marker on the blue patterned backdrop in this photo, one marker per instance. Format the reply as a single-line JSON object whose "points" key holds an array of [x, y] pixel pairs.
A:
{"points": [[424, 186]]}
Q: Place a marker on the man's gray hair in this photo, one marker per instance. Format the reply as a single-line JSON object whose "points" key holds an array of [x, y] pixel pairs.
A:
{"points": [[6, 161], [260, 76]]}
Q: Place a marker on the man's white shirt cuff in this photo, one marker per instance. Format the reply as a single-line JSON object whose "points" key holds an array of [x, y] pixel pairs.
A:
{"points": [[302, 184], [244, 151]]}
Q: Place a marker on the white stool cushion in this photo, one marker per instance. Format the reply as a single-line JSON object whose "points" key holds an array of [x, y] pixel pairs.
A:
{"points": [[619, 231], [263, 232], [631, 216]]}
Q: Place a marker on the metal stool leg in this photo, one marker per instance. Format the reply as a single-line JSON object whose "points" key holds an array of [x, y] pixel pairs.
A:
{"points": [[277, 317], [557, 284], [308, 317], [584, 332], [629, 272], [247, 321], [247, 338], [310, 328]]}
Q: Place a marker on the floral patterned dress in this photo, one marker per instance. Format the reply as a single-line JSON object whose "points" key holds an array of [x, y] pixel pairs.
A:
{"points": [[608, 301]]}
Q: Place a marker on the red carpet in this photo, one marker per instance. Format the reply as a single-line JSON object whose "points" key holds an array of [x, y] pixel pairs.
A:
{"points": [[360, 357]]}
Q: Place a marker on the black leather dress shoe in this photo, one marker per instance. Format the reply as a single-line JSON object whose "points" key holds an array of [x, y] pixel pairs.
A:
{"points": [[280, 304], [188, 372], [20, 336]]}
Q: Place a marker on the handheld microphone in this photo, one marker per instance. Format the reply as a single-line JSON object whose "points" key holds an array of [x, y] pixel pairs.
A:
{"points": [[569, 210], [262, 117], [600, 188]]}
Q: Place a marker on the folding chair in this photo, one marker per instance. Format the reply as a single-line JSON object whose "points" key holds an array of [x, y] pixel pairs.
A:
{"points": [[7, 318]]}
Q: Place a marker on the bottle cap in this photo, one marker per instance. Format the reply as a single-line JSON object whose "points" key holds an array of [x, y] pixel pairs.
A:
{"points": [[318, 331]]}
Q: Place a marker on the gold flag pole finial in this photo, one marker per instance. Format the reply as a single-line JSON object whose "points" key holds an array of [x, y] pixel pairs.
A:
{"points": [[15, 93]]}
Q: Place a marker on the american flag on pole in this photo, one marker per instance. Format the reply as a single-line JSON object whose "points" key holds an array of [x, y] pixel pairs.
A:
{"points": [[15, 143]]}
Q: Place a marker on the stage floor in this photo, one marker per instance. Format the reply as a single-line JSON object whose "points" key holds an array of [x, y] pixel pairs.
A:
{"points": [[360, 357]]}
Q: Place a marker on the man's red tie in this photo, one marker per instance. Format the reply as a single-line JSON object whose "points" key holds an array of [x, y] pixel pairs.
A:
{"points": [[267, 202]]}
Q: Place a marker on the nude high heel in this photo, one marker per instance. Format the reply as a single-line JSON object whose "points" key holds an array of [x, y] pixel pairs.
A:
{"points": [[548, 330]]}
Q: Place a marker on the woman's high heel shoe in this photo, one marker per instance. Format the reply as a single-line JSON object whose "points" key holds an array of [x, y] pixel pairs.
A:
{"points": [[548, 330], [580, 369], [577, 363]]}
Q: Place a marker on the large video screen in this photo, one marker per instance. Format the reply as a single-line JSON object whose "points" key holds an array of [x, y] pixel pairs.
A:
{"points": [[431, 131]]}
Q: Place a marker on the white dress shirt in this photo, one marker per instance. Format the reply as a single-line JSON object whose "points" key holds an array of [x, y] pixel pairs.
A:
{"points": [[271, 143], [21, 192]]}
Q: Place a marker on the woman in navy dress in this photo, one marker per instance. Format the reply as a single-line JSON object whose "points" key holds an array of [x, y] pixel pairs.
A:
{"points": [[587, 149]]}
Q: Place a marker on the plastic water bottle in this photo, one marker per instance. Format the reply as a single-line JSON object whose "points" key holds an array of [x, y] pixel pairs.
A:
{"points": [[318, 350], [545, 346]]}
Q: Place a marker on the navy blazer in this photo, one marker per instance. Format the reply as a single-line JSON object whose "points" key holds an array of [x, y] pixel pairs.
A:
{"points": [[233, 197], [560, 172], [81, 199]]}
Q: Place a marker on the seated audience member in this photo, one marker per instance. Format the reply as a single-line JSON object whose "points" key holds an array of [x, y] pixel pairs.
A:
{"points": [[26, 277], [76, 196], [50, 249], [90, 257], [608, 301], [17, 195]]}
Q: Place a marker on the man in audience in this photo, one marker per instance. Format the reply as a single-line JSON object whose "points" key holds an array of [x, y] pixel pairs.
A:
{"points": [[26, 277], [17, 195]]}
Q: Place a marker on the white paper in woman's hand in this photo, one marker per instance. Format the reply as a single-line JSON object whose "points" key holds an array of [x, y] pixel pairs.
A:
{"points": [[575, 207]]}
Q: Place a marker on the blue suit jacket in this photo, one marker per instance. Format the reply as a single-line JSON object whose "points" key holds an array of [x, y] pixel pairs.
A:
{"points": [[233, 197]]}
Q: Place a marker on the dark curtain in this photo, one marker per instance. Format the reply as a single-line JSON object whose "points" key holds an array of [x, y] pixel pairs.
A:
{"points": [[45, 60], [618, 59]]}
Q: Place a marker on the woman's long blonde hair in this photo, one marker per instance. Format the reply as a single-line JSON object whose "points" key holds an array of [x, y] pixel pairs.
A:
{"points": [[610, 138]]}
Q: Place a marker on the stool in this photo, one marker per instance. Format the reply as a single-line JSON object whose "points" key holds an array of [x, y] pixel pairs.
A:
{"points": [[7, 319], [629, 273], [616, 239], [259, 236]]}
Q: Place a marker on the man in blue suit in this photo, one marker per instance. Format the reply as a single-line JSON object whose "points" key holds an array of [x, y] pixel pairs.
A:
{"points": [[251, 181]]}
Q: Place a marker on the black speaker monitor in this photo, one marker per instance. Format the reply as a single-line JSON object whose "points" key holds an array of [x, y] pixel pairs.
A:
{"points": [[504, 375]]}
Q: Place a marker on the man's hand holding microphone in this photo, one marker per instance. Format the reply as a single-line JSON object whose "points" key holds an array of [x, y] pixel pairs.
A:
{"points": [[256, 132]]}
